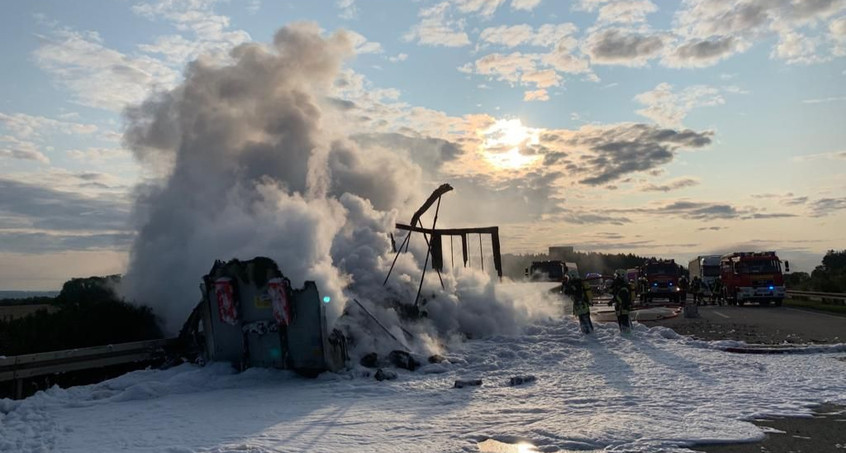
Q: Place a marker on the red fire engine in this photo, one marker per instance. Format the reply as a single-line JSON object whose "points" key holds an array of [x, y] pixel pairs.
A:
{"points": [[659, 279], [752, 276]]}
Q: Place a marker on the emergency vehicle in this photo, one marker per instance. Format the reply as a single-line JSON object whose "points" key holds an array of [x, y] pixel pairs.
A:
{"points": [[753, 276], [661, 280], [546, 271], [707, 268]]}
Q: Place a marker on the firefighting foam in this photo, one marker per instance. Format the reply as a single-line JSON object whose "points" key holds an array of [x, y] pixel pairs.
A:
{"points": [[244, 163]]}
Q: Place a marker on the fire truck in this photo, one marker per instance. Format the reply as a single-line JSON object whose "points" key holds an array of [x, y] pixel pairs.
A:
{"points": [[752, 276], [659, 280]]}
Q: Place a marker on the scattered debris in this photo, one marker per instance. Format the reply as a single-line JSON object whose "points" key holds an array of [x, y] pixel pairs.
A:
{"points": [[519, 380], [461, 383], [370, 360], [437, 358], [385, 375], [402, 359]]}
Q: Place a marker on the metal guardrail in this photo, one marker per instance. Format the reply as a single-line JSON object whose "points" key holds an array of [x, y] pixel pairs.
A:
{"points": [[838, 298], [17, 368]]}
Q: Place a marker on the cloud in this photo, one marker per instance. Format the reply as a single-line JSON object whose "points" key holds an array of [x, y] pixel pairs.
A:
{"points": [[11, 147], [590, 218], [362, 45], [674, 184], [837, 34], [824, 100], [525, 5], [438, 28], [602, 154], [28, 126], [538, 69], [827, 206], [834, 155], [703, 210], [211, 33], [698, 53], [47, 209], [630, 11], [98, 154], [711, 31], [98, 76], [537, 95], [398, 57], [773, 215], [546, 35], [668, 107], [348, 9], [39, 243], [101, 77], [485, 8], [623, 47]]}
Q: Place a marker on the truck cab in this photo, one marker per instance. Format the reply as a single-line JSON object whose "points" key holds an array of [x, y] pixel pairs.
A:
{"points": [[546, 271], [752, 276]]}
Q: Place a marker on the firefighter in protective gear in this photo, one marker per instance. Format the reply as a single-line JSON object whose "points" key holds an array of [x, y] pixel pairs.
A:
{"points": [[696, 289], [643, 289], [684, 286], [581, 295], [717, 291], [622, 301]]}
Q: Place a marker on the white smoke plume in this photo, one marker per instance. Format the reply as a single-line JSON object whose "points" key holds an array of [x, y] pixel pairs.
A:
{"points": [[249, 164]]}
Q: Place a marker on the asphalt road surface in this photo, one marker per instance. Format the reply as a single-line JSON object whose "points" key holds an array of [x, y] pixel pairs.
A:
{"points": [[757, 324]]}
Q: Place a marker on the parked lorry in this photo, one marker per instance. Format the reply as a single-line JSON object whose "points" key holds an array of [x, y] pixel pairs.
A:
{"points": [[546, 271], [707, 268], [753, 276], [659, 279]]}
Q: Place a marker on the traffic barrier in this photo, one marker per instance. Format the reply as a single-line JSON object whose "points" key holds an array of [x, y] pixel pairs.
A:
{"points": [[18, 368], [831, 298]]}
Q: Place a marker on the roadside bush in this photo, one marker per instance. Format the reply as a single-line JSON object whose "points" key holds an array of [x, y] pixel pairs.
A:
{"points": [[89, 314]]}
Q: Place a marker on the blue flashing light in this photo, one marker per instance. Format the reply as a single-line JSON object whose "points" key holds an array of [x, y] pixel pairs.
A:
{"points": [[671, 283], [771, 287], [327, 299], [655, 284]]}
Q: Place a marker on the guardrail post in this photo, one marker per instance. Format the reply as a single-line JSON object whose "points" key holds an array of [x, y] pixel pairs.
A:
{"points": [[18, 389]]}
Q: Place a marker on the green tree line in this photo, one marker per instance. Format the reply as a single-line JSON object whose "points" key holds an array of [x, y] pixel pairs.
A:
{"points": [[829, 277], [514, 266], [88, 313]]}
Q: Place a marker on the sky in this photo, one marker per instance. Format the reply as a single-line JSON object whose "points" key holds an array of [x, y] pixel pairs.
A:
{"points": [[673, 129]]}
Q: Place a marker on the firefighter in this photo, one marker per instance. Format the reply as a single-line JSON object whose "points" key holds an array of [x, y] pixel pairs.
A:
{"points": [[696, 289], [643, 288], [684, 286], [581, 294], [622, 301], [717, 291]]}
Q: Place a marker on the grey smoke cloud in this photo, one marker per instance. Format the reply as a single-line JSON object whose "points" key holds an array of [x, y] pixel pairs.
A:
{"points": [[251, 164]]}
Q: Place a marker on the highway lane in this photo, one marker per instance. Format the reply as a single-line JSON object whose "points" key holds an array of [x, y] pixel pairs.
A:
{"points": [[756, 324]]}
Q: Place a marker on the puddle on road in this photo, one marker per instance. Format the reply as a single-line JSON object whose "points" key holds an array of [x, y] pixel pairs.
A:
{"points": [[495, 446]]}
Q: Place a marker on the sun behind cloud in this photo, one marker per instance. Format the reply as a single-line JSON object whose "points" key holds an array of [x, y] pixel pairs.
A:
{"points": [[504, 141]]}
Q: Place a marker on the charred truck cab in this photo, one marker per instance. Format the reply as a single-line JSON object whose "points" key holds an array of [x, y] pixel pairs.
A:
{"points": [[661, 280], [251, 316], [752, 276]]}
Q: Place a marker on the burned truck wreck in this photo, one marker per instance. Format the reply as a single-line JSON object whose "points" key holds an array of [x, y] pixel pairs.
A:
{"points": [[251, 316]]}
